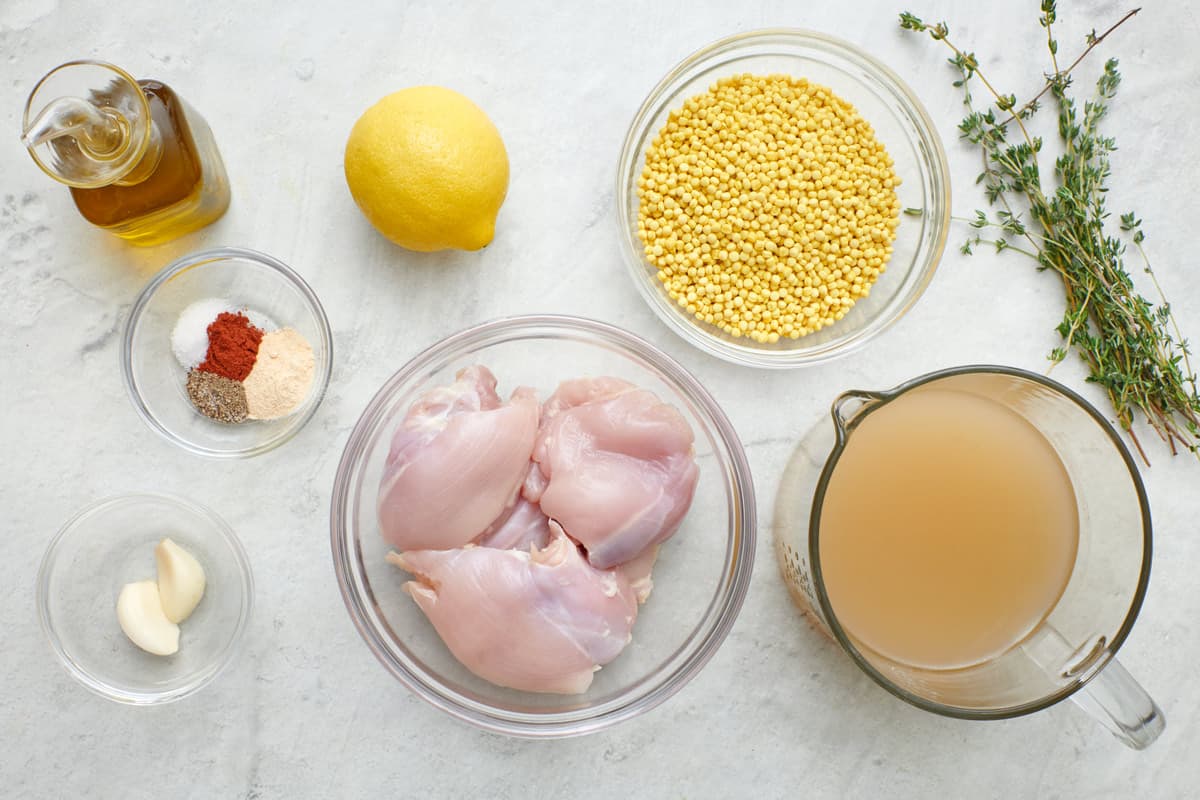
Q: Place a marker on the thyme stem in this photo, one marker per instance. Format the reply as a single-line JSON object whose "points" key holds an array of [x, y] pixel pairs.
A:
{"points": [[1134, 349], [1093, 40]]}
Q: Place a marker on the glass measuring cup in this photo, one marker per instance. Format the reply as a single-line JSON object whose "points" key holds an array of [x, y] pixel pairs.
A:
{"points": [[1070, 653]]}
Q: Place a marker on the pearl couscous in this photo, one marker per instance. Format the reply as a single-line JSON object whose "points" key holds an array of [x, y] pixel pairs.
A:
{"points": [[767, 206]]}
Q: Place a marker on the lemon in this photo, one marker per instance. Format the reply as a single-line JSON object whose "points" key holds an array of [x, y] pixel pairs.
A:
{"points": [[428, 169]]}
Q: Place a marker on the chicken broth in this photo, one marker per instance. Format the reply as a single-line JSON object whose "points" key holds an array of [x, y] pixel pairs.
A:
{"points": [[948, 530]]}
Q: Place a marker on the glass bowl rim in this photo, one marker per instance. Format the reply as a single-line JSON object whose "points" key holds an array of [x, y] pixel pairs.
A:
{"points": [[723, 611], [201, 258], [205, 676], [672, 316]]}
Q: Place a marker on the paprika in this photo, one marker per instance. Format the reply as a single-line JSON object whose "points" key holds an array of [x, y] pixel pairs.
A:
{"points": [[232, 346]]}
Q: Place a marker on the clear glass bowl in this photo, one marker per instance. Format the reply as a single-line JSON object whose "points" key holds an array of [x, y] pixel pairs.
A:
{"points": [[111, 543], [700, 578], [901, 124], [157, 383]]}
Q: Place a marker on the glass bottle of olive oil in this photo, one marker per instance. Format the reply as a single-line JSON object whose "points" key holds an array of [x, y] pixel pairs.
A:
{"points": [[140, 162]]}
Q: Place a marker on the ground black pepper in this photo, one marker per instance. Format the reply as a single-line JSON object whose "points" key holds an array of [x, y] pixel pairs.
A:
{"points": [[216, 396]]}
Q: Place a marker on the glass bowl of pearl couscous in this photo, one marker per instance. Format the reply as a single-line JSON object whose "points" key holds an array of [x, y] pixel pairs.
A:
{"points": [[783, 198]]}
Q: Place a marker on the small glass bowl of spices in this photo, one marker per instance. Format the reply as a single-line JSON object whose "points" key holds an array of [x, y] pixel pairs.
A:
{"points": [[783, 198], [227, 353]]}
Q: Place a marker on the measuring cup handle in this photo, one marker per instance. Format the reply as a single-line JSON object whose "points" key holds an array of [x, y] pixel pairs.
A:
{"points": [[1120, 704]]}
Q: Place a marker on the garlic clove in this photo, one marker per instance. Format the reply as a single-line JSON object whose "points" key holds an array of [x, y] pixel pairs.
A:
{"points": [[140, 613], [180, 580]]}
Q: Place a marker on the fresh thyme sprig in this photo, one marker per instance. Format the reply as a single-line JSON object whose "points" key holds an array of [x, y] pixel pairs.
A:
{"points": [[1133, 348]]}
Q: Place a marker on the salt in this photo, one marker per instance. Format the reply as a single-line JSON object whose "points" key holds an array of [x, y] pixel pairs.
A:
{"points": [[189, 339]]}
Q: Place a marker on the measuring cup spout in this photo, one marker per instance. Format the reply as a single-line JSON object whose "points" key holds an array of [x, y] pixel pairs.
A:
{"points": [[850, 405]]}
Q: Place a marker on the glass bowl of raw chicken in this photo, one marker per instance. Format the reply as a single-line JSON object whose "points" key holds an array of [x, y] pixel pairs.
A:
{"points": [[543, 526]]}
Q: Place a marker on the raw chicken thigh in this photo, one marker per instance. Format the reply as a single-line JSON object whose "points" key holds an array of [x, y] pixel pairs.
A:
{"points": [[524, 526], [538, 620], [494, 504], [637, 572], [456, 462], [578, 391], [618, 465]]}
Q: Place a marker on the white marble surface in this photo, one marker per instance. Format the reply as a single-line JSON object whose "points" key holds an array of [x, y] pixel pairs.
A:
{"points": [[307, 712]]}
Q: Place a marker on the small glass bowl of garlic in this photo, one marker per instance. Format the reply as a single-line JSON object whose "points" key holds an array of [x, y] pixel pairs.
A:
{"points": [[93, 617]]}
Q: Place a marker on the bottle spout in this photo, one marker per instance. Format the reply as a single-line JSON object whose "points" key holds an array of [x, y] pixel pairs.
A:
{"points": [[87, 124], [100, 133]]}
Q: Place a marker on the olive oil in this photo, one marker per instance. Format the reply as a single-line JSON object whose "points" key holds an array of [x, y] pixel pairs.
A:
{"points": [[185, 191], [140, 162]]}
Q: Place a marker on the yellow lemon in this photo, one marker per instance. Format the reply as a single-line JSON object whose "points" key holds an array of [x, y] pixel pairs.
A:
{"points": [[428, 169]]}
